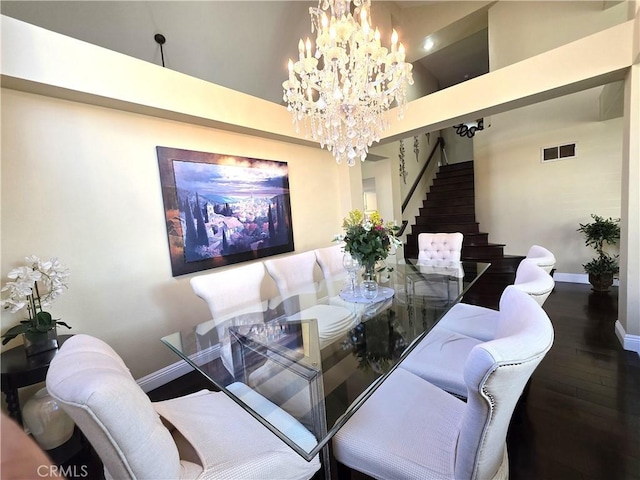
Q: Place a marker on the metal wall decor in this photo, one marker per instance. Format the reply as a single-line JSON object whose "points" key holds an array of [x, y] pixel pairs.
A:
{"points": [[416, 148], [469, 129]]}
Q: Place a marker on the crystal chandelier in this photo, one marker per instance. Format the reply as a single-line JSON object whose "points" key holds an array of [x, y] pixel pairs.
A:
{"points": [[341, 90]]}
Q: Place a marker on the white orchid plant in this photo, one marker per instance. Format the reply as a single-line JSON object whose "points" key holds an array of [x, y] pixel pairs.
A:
{"points": [[34, 286]]}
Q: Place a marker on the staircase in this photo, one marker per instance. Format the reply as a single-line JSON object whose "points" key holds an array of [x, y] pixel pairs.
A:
{"points": [[450, 207]]}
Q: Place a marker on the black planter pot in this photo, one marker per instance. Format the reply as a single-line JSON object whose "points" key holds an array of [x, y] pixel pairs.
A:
{"points": [[601, 282], [35, 343]]}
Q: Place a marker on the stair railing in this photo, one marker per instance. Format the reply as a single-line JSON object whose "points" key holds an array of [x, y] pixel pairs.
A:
{"points": [[439, 144]]}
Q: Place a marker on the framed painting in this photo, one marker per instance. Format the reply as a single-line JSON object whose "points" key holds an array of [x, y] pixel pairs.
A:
{"points": [[223, 209]]}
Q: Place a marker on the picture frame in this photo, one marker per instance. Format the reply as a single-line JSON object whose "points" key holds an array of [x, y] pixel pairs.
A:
{"points": [[243, 208]]}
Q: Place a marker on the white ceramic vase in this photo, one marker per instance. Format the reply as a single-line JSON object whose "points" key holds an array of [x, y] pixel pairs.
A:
{"points": [[47, 422]]}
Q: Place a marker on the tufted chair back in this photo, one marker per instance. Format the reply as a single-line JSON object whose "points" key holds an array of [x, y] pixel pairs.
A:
{"points": [[202, 435], [532, 279], [496, 373], [440, 246], [541, 257], [112, 411]]}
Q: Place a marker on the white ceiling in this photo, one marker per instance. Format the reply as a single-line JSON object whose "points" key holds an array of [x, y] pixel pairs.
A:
{"points": [[243, 45]]}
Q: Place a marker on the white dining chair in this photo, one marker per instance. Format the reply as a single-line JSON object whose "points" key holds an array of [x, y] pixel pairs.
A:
{"points": [[438, 282], [534, 280], [294, 276], [440, 246], [232, 291], [203, 435], [330, 261], [541, 257], [229, 294], [440, 357], [481, 322], [411, 429]]}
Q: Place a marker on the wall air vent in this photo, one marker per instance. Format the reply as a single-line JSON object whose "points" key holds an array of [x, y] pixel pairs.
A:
{"points": [[559, 152]]}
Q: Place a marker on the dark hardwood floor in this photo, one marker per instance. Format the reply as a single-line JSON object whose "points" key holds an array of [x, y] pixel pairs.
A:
{"points": [[581, 417]]}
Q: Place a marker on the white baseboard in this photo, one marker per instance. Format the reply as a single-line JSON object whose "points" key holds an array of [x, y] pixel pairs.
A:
{"points": [[628, 342], [571, 277], [176, 370], [576, 278]]}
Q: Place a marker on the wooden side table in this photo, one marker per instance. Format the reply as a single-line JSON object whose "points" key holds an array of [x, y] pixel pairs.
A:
{"points": [[19, 371]]}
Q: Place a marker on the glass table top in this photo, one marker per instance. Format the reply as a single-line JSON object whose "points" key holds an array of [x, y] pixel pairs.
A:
{"points": [[303, 365]]}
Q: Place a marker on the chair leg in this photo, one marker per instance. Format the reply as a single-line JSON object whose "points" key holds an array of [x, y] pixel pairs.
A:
{"points": [[344, 472]]}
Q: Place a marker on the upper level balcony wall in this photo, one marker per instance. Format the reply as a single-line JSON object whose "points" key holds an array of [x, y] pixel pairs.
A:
{"points": [[521, 30]]}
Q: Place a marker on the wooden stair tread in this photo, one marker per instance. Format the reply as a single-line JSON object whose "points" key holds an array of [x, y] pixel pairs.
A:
{"points": [[485, 245], [505, 258]]}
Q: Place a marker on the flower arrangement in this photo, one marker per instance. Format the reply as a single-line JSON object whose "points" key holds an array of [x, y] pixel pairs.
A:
{"points": [[24, 291], [367, 238]]}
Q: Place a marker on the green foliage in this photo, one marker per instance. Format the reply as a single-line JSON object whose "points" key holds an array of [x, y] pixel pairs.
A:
{"points": [[602, 264], [366, 246], [368, 240], [596, 234], [600, 231], [38, 326]]}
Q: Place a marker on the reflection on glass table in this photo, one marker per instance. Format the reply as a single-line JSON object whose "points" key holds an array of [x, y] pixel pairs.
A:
{"points": [[306, 363]]}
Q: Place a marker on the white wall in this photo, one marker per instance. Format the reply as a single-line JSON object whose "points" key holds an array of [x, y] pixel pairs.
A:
{"points": [[521, 201], [380, 172], [424, 83], [458, 149], [628, 326], [519, 30], [81, 182]]}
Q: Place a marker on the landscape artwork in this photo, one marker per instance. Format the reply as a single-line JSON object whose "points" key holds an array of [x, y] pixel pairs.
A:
{"points": [[223, 209]]}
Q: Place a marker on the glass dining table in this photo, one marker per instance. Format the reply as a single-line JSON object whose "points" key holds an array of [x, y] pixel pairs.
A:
{"points": [[302, 365]]}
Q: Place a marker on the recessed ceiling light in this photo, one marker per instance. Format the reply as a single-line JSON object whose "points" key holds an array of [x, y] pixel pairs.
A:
{"points": [[428, 44]]}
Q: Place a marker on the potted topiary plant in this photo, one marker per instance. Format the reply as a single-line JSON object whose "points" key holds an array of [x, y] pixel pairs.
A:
{"points": [[601, 269]]}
